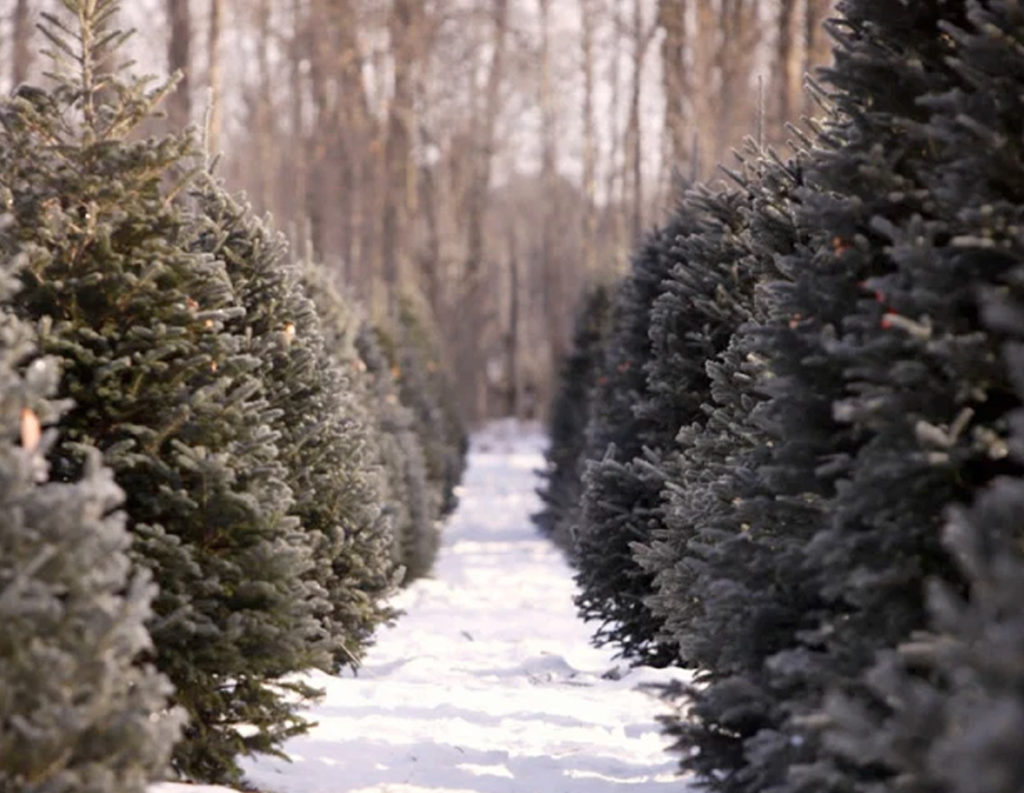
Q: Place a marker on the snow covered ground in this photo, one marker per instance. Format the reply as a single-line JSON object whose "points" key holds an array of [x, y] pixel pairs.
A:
{"points": [[488, 683]]}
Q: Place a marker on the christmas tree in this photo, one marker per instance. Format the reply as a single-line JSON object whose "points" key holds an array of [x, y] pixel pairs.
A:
{"points": [[940, 712], [323, 431], [570, 413], [623, 478], [78, 711], [415, 506], [163, 384]]}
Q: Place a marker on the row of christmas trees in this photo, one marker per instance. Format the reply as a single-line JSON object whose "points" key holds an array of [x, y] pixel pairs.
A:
{"points": [[789, 451], [211, 472]]}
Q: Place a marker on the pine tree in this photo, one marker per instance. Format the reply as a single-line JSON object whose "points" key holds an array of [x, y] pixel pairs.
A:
{"points": [[163, 386], [77, 712], [570, 412], [323, 427], [705, 298]]}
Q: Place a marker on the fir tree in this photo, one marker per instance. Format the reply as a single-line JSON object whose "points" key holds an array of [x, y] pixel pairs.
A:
{"points": [[77, 712], [408, 502], [944, 701], [323, 427], [722, 599], [705, 298], [163, 386], [624, 478], [416, 510], [874, 368], [570, 412], [411, 347]]}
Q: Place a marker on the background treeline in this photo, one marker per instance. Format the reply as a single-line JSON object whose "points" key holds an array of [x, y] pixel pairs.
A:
{"points": [[213, 467], [494, 155], [799, 447]]}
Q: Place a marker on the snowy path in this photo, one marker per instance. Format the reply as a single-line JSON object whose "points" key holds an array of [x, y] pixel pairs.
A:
{"points": [[488, 684]]}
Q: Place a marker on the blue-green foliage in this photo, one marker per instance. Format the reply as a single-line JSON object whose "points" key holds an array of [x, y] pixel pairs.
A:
{"points": [[570, 412], [79, 710], [194, 362], [835, 352]]}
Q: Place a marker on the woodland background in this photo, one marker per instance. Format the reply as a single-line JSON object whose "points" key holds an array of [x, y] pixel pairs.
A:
{"points": [[490, 156]]}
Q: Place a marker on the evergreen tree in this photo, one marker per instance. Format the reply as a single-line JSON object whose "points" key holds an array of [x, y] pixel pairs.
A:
{"points": [[411, 347], [623, 479], [416, 510], [409, 505], [323, 426], [76, 711], [164, 386], [882, 401], [948, 702], [570, 412], [722, 598], [705, 298]]}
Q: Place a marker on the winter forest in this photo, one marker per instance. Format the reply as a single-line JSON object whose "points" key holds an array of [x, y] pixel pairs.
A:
{"points": [[512, 395]]}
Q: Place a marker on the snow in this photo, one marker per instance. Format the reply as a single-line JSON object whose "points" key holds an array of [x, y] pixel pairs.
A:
{"points": [[488, 683]]}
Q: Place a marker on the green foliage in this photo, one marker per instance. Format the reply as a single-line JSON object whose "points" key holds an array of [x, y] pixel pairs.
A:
{"points": [[839, 360], [77, 710], [623, 478], [414, 506], [411, 348], [323, 429], [408, 504], [159, 366], [570, 412]]}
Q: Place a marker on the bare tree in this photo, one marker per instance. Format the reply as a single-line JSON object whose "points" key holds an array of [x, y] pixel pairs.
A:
{"points": [[784, 73], [399, 186], [675, 78], [214, 76], [477, 201], [483, 154], [816, 41], [513, 336], [551, 265], [642, 34], [179, 58], [615, 184], [21, 42], [589, 139]]}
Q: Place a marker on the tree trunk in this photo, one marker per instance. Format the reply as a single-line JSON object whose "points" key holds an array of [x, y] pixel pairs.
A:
{"points": [[705, 88], [642, 37], [589, 240], [786, 85], [512, 340], [179, 59], [675, 79], [215, 77], [315, 183], [470, 362], [817, 44], [21, 43], [351, 125], [615, 191], [552, 266], [264, 142], [399, 184], [484, 145]]}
